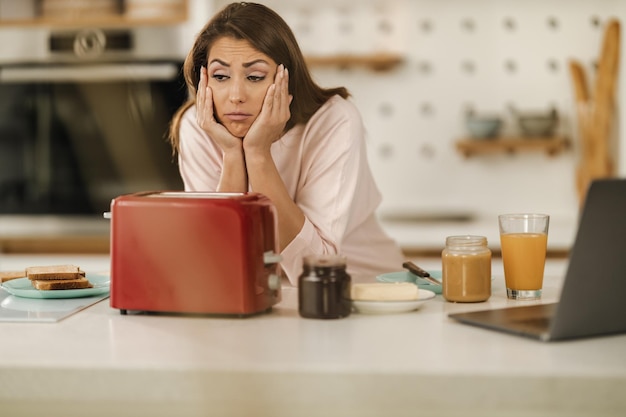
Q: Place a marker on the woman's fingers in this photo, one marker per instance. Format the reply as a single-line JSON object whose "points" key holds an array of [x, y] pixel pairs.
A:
{"points": [[285, 96], [204, 102], [278, 98], [201, 86], [278, 90], [201, 97]]}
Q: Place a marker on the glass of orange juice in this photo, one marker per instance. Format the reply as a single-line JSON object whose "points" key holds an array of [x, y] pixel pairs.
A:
{"points": [[524, 240]]}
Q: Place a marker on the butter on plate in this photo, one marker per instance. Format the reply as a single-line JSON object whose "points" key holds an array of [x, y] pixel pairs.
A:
{"points": [[384, 291]]}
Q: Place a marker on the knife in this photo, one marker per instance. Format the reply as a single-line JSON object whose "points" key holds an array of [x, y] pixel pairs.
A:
{"points": [[414, 269]]}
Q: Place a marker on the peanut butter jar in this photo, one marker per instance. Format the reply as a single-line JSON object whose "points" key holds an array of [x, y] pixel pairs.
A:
{"points": [[466, 269]]}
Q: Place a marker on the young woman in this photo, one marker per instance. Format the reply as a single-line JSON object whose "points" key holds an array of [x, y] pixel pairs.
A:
{"points": [[257, 122]]}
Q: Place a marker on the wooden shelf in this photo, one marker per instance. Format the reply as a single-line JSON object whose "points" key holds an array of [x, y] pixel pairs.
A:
{"points": [[550, 145], [376, 62], [107, 21], [171, 16]]}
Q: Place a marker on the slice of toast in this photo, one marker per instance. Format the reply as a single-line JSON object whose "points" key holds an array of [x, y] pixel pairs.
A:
{"points": [[9, 275], [62, 284], [53, 272]]}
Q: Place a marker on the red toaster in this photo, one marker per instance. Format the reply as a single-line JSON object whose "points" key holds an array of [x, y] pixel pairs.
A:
{"points": [[194, 252]]}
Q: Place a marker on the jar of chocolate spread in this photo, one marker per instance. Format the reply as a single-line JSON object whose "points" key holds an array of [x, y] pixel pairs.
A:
{"points": [[466, 269], [324, 288]]}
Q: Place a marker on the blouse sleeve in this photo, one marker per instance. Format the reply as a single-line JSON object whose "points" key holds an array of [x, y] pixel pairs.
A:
{"points": [[335, 191], [199, 159]]}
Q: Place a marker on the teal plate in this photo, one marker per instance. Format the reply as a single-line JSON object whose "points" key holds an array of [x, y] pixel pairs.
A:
{"points": [[21, 287], [406, 276]]}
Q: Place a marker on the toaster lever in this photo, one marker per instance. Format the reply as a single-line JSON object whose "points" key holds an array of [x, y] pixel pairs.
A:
{"points": [[270, 257]]}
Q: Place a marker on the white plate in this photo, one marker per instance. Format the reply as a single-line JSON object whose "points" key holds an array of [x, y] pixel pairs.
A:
{"points": [[386, 307], [406, 276], [21, 287]]}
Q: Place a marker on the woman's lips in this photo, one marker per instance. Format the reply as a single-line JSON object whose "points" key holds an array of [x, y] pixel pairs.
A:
{"points": [[237, 116]]}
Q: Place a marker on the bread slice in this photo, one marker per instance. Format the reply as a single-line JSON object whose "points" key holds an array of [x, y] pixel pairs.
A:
{"points": [[53, 272], [62, 284], [9, 275], [384, 291]]}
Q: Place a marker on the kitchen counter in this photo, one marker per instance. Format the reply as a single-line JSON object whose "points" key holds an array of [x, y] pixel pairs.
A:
{"points": [[100, 363], [422, 237]]}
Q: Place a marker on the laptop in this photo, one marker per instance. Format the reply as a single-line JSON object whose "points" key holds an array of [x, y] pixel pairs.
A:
{"points": [[593, 297]]}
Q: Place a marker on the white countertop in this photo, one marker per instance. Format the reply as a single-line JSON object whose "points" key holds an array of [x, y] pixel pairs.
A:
{"points": [[98, 362]]}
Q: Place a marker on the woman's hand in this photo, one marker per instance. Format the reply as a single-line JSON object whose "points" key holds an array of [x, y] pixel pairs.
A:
{"points": [[270, 124], [206, 117], [263, 175], [234, 177]]}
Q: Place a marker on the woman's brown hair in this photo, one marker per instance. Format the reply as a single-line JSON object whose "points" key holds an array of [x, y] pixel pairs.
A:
{"points": [[267, 32]]}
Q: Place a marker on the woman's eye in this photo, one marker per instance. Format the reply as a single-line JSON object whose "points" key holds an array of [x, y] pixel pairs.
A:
{"points": [[256, 78], [220, 77]]}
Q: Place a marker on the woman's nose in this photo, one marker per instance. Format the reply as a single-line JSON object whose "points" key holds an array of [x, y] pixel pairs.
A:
{"points": [[237, 92]]}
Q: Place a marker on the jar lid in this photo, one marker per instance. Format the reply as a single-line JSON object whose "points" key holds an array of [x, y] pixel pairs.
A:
{"points": [[325, 260], [466, 240]]}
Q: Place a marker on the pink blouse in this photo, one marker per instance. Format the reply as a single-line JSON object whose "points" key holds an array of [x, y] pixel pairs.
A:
{"points": [[325, 169]]}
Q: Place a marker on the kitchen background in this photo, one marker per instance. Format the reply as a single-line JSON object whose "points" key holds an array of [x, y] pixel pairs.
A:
{"points": [[415, 68]]}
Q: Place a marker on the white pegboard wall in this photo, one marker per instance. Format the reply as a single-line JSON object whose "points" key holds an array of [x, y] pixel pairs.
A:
{"points": [[326, 27], [484, 54]]}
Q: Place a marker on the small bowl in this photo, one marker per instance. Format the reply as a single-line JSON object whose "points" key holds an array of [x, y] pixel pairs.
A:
{"points": [[483, 127], [537, 125]]}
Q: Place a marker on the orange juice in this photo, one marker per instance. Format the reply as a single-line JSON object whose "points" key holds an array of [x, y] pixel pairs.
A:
{"points": [[524, 258]]}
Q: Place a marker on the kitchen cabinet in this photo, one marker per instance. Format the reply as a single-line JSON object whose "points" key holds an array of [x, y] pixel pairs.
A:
{"points": [[551, 146], [73, 13], [89, 244], [53, 234]]}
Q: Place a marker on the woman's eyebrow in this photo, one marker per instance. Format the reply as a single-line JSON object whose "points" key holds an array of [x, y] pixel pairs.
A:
{"points": [[256, 61], [219, 61], [245, 64]]}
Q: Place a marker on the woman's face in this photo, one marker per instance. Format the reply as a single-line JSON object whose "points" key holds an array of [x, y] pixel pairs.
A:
{"points": [[239, 77]]}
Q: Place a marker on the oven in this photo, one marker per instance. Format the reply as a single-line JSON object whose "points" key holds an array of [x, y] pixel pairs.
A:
{"points": [[84, 115]]}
